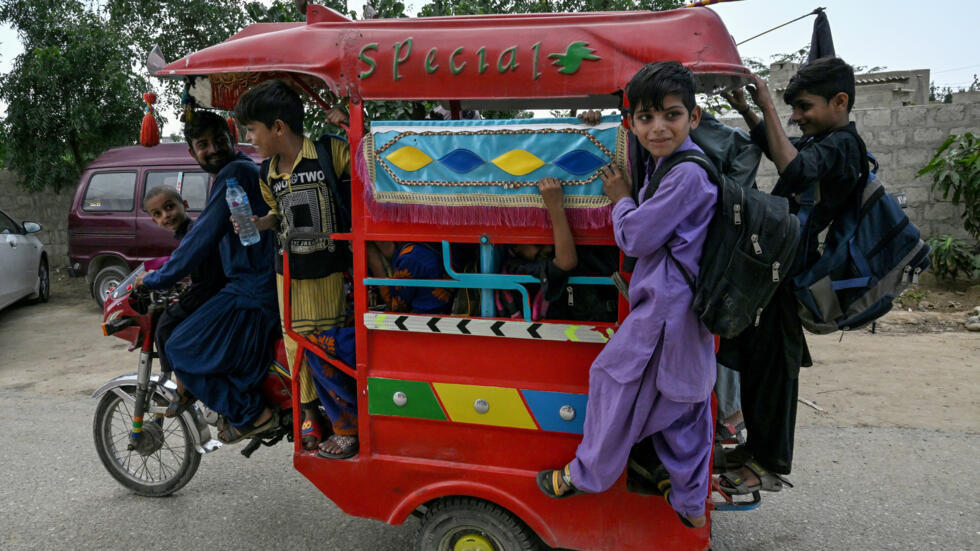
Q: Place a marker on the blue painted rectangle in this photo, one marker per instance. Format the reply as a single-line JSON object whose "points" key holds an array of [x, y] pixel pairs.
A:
{"points": [[545, 407]]}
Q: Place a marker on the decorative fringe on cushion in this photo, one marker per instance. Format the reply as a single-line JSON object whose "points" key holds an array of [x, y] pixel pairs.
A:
{"points": [[520, 217]]}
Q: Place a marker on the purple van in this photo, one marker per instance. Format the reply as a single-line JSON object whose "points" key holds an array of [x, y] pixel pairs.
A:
{"points": [[109, 233]]}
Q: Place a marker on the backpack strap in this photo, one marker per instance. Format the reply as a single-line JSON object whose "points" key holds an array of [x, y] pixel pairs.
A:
{"points": [[676, 158], [325, 159]]}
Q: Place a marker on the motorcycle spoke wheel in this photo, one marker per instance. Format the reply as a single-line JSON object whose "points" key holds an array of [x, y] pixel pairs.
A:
{"points": [[163, 462]]}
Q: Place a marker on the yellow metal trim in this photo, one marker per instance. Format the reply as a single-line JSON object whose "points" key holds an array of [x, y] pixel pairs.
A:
{"points": [[506, 409]]}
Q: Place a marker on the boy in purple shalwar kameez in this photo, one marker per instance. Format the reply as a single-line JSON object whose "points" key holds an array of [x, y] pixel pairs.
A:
{"points": [[655, 375]]}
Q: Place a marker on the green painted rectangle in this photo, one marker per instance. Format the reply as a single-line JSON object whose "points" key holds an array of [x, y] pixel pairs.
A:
{"points": [[421, 402]]}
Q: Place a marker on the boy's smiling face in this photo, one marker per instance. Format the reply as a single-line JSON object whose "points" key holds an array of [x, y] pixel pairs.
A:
{"points": [[661, 132], [264, 138], [816, 115], [168, 212]]}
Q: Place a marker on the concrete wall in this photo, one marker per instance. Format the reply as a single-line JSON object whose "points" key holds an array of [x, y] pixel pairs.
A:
{"points": [[47, 208]]}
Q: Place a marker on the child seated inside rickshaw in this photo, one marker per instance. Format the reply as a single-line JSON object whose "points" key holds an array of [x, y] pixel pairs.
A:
{"points": [[553, 265], [303, 193], [410, 260], [655, 375]]}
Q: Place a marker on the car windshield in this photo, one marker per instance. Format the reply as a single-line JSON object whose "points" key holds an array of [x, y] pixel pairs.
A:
{"points": [[126, 285]]}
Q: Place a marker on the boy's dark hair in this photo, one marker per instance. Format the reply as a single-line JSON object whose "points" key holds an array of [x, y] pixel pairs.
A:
{"points": [[268, 101], [825, 77], [655, 81], [161, 190], [205, 121]]}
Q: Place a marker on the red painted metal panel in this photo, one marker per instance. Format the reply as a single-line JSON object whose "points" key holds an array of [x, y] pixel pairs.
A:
{"points": [[499, 56]]}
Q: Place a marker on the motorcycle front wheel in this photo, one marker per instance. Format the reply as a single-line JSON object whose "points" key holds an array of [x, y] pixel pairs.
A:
{"points": [[164, 459]]}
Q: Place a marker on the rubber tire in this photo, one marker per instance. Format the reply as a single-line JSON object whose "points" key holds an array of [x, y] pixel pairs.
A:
{"points": [[105, 275], [44, 288], [503, 529], [184, 475]]}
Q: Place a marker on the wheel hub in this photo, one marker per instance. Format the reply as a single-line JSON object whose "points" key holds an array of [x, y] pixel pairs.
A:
{"points": [[473, 542], [149, 441]]}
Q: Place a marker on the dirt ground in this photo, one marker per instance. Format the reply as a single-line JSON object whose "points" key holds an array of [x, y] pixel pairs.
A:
{"points": [[919, 369]]}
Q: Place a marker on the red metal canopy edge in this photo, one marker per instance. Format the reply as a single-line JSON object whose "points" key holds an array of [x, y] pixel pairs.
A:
{"points": [[473, 57]]}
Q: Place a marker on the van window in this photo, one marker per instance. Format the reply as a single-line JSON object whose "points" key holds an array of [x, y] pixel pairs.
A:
{"points": [[110, 191], [193, 186]]}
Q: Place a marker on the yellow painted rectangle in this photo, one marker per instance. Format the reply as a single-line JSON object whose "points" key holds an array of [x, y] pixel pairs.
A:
{"points": [[506, 407]]}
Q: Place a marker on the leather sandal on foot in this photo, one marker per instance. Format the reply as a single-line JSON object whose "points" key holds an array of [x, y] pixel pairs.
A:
{"points": [[180, 405], [551, 480], [311, 431], [349, 445], [231, 434], [735, 484]]}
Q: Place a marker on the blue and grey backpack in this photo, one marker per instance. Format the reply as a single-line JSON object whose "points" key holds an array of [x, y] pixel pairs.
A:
{"points": [[871, 252]]}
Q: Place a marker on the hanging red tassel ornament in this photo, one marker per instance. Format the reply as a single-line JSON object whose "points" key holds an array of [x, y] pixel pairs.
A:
{"points": [[149, 130], [232, 127]]}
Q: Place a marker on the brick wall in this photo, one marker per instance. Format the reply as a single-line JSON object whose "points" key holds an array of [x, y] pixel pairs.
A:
{"points": [[47, 208]]}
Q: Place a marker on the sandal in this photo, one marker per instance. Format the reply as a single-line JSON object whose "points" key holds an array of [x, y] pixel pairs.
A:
{"points": [[231, 434], [184, 401], [550, 480], [311, 432], [735, 484], [658, 478], [349, 446]]}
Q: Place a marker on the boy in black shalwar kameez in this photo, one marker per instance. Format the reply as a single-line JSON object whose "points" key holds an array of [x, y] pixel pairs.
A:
{"points": [[768, 356]]}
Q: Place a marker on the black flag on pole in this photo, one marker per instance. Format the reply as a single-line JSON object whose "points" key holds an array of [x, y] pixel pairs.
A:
{"points": [[822, 42]]}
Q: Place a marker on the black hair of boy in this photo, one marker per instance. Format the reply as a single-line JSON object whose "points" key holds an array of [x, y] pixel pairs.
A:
{"points": [[160, 190], [825, 77], [655, 81], [269, 101], [202, 122]]}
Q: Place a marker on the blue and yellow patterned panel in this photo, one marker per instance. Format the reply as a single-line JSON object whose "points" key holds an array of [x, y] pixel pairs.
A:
{"points": [[557, 411], [492, 163]]}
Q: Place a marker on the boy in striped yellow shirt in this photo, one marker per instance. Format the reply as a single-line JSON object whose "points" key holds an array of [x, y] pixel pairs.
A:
{"points": [[303, 197]]}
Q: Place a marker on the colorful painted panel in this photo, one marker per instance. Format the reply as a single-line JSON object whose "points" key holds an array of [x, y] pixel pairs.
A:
{"points": [[485, 171], [403, 399], [484, 405], [557, 411]]}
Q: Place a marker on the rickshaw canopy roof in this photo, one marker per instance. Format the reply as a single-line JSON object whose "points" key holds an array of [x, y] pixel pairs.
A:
{"points": [[532, 58]]}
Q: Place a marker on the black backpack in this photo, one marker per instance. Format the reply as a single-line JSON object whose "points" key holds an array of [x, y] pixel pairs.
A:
{"points": [[872, 251], [748, 251]]}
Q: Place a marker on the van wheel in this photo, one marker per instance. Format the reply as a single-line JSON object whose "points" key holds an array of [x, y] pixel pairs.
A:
{"points": [[470, 524], [106, 280]]}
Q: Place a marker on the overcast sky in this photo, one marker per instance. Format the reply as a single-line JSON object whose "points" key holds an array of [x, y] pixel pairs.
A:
{"points": [[898, 34]]}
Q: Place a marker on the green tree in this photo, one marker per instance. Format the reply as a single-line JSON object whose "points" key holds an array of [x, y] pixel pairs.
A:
{"points": [[73, 72]]}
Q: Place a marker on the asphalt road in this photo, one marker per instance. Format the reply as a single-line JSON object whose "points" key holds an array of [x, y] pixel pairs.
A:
{"points": [[857, 488]]}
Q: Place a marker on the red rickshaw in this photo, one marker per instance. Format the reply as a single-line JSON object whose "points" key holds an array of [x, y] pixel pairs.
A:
{"points": [[458, 413]]}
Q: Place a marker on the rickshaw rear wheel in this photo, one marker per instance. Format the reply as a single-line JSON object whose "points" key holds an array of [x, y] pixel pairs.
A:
{"points": [[468, 524]]}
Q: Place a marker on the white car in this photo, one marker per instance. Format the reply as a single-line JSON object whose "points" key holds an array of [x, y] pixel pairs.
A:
{"points": [[23, 263]]}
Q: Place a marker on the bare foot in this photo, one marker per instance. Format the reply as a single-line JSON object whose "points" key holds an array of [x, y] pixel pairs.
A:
{"points": [[734, 419]]}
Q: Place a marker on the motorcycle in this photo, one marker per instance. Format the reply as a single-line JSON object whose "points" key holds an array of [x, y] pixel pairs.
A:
{"points": [[143, 450]]}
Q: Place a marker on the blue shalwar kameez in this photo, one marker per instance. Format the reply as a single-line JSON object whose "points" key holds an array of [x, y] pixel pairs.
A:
{"points": [[222, 351], [655, 375]]}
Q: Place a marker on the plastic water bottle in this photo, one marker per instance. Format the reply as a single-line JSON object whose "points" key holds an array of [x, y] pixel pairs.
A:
{"points": [[241, 211]]}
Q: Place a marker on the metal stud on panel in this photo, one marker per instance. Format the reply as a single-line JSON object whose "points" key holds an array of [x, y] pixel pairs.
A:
{"points": [[481, 405], [400, 399], [567, 413]]}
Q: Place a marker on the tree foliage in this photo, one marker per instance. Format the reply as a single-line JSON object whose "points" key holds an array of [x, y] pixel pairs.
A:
{"points": [[75, 69]]}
